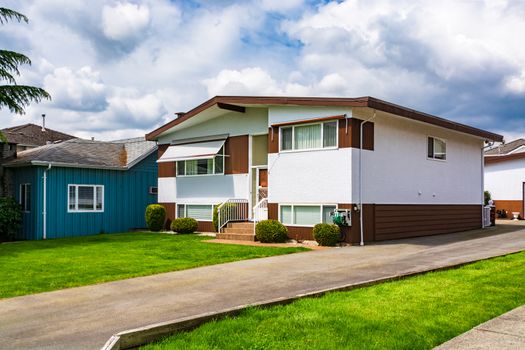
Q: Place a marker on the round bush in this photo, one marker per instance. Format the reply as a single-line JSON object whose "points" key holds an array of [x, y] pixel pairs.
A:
{"points": [[155, 217], [10, 218], [326, 234], [271, 231], [184, 225]]}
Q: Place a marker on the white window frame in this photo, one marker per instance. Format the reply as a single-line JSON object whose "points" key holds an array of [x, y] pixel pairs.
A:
{"points": [[434, 148], [213, 165], [186, 210], [309, 149], [23, 192], [304, 205], [76, 210]]}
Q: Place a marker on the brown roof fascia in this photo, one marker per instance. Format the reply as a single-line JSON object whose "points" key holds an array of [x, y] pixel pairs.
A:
{"points": [[504, 158], [329, 101]]}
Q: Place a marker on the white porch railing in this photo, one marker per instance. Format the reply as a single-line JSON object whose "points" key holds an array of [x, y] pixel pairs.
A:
{"points": [[260, 212], [486, 216], [231, 210]]}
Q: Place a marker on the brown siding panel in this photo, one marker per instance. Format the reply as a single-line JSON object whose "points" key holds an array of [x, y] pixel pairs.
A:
{"points": [[205, 226], [510, 206], [412, 220], [170, 214], [349, 135], [273, 140], [236, 151], [165, 169], [273, 211]]}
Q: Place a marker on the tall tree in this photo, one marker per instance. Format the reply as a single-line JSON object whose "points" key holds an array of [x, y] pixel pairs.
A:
{"points": [[13, 96]]}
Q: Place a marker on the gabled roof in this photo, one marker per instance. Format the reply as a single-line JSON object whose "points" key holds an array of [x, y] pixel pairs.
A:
{"points": [[507, 148], [238, 103], [32, 135], [117, 155]]}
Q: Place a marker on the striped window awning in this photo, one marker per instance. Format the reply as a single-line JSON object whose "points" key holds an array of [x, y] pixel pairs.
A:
{"points": [[189, 151]]}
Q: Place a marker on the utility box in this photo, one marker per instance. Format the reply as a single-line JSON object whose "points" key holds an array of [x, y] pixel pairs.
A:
{"points": [[342, 217]]}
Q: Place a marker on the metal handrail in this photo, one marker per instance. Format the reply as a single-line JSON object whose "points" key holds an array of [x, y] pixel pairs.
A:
{"points": [[231, 210], [262, 204]]}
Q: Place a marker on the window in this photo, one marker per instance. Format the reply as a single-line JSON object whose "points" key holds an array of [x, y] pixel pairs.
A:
{"points": [[211, 166], [200, 212], [25, 197], [309, 136], [86, 198], [436, 148], [305, 215], [153, 190]]}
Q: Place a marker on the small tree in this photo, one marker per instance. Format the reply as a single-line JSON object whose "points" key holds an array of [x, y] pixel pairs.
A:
{"points": [[487, 197], [10, 218]]}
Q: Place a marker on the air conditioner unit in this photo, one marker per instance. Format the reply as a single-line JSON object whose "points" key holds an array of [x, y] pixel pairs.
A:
{"points": [[342, 217]]}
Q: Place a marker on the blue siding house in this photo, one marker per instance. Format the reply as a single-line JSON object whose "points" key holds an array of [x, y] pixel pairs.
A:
{"points": [[82, 187]]}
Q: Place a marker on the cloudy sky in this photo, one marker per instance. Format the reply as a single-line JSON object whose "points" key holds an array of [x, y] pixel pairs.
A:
{"points": [[119, 69]]}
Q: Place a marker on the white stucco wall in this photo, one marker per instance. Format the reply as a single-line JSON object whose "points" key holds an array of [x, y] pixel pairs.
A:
{"points": [[203, 189], [398, 171], [505, 180], [254, 121]]}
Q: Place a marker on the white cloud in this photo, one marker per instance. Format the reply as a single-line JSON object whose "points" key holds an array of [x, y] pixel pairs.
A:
{"points": [[280, 5], [124, 20], [244, 82], [80, 90]]}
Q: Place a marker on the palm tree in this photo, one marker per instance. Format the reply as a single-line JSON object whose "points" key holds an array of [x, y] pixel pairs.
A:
{"points": [[13, 96]]}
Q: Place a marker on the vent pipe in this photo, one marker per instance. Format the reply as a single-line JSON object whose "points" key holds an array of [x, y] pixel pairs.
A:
{"points": [[43, 122]]}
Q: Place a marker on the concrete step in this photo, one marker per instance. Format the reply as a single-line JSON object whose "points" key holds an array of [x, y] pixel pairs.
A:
{"points": [[245, 225], [239, 230], [235, 237]]}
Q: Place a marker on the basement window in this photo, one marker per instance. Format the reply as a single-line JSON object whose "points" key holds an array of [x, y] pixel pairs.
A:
{"points": [[199, 212], [85, 198], [305, 215], [436, 148]]}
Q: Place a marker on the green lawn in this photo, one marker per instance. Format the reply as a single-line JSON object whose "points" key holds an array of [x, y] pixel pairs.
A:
{"points": [[415, 313], [39, 266]]}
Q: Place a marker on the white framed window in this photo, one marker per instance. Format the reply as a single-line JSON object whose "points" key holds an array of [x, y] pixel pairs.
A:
{"points": [[196, 167], [199, 212], [305, 214], [436, 148], [25, 197], [309, 136], [85, 198]]}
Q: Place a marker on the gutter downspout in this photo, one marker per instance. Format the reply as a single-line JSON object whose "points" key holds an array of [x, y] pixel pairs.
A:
{"points": [[44, 211], [361, 225]]}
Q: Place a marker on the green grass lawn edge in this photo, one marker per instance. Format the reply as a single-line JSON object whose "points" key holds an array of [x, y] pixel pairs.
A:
{"points": [[39, 266], [418, 312]]}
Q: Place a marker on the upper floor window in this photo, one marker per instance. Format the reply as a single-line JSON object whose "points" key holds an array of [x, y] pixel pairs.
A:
{"points": [[309, 136], [436, 148], [209, 166], [86, 198], [25, 197]]}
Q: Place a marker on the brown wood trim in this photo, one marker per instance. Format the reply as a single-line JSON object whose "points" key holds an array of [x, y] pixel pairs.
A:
{"points": [[236, 151], [273, 140], [504, 158], [329, 101], [313, 120], [230, 107]]}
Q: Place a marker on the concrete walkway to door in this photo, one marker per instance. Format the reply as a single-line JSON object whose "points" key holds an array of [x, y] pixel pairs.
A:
{"points": [[85, 317]]}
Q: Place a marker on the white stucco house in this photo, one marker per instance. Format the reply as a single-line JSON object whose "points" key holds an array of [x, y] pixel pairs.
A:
{"points": [[396, 172], [505, 176]]}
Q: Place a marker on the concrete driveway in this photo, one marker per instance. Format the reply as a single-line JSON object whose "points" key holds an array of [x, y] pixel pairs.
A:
{"points": [[85, 317]]}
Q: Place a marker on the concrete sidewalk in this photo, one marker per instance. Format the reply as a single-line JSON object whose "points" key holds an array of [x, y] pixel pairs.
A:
{"points": [[85, 317], [504, 332]]}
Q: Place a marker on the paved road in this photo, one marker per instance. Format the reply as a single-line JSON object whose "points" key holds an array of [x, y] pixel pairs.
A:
{"points": [[504, 332], [85, 317]]}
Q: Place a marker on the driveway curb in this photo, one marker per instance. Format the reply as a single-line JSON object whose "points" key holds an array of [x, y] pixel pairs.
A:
{"points": [[136, 337]]}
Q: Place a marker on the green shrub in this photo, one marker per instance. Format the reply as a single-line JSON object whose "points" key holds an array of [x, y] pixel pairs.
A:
{"points": [[487, 197], [155, 217], [184, 225], [271, 231], [10, 218], [326, 234]]}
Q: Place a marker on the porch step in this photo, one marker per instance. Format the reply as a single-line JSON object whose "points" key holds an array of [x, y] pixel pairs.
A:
{"points": [[240, 230], [240, 225], [236, 236]]}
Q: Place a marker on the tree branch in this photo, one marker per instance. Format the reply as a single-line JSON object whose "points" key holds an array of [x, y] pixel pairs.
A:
{"points": [[16, 97], [7, 14]]}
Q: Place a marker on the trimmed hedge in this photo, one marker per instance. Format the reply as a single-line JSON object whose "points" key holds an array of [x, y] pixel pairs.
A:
{"points": [[10, 218], [326, 234], [184, 225], [271, 231], [155, 217]]}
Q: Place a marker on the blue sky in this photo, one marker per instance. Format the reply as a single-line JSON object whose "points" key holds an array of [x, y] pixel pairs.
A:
{"points": [[119, 69]]}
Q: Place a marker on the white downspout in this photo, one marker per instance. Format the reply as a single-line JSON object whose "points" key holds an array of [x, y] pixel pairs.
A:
{"points": [[361, 225], [44, 211]]}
